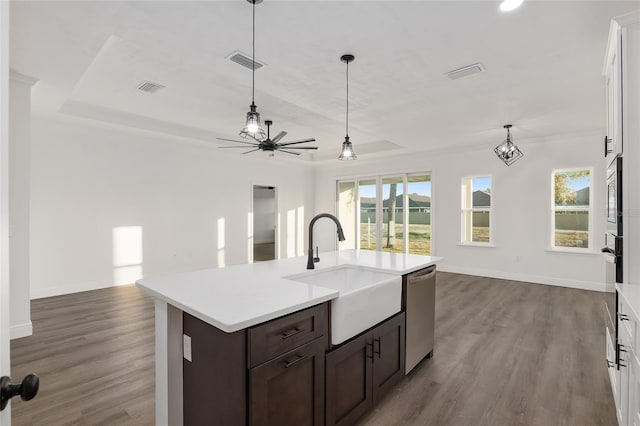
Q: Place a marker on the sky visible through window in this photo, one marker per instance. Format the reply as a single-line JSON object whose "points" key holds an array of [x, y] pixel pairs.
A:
{"points": [[578, 183], [481, 184], [422, 188]]}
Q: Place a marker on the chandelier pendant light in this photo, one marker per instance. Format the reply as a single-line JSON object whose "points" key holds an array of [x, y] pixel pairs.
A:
{"points": [[507, 151], [347, 149], [253, 127]]}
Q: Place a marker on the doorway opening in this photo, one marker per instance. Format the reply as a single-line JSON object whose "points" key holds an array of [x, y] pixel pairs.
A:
{"points": [[264, 223]]}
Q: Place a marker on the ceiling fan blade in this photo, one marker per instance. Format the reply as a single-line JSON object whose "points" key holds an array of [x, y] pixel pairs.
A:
{"points": [[298, 141], [253, 150], [237, 146], [289, 152], [300, 147], [233, 140], [279, 136], [254, 138]]}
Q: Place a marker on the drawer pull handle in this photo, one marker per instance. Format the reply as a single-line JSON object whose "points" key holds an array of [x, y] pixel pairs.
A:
{"points": [[370, 345], [289, 363], [610, 364], [623, 317], [379, 352], [291, 333]]}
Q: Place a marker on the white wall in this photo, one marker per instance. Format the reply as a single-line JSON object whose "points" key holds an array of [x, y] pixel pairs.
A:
{"points": [[19, 196], [521, 208], [162, 205]]}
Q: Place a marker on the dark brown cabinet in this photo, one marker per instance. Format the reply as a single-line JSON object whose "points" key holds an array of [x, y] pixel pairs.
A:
{"points": [[270, 374], [362, 370], [289, 390], [388, 355]]}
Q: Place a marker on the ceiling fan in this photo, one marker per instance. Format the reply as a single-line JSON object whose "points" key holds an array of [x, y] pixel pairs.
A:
{"points": [[270, 145]]}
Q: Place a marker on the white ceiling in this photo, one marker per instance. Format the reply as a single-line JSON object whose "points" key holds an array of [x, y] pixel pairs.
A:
{"points": [[543, 68]]}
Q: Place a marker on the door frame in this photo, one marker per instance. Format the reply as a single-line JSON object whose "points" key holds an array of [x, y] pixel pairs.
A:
{"points": [[5, 363], [250, 222]]}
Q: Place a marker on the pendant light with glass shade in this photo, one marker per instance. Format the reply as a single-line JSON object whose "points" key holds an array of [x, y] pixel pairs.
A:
{"points": [[347, 149], [253, 128]]}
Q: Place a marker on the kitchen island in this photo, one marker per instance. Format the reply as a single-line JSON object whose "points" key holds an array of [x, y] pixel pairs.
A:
{"points": [[237, 298]]}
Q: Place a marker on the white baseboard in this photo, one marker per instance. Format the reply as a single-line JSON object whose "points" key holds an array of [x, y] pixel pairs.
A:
{"points": [[537, 279], [39, 293], [21, 330]]}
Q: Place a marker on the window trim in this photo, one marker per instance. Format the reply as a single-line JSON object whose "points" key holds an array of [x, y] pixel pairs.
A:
{"points": [[462, 209], [552, 217]]}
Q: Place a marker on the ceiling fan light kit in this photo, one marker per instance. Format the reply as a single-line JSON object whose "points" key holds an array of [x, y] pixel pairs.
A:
{"points": [[347, 148], [271, 145], [252, 127], [507, 151]]}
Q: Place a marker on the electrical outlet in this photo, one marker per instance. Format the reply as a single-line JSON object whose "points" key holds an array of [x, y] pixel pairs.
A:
{"points": [[186, 347]]}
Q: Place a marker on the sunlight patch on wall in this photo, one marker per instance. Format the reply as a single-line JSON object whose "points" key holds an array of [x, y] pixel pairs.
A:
{"points": [[300, 231], [250, 237], [278, 241], [291, 233], [221, 241], [127, 254]]}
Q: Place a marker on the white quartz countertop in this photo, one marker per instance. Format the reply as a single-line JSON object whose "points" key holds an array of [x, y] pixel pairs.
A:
{"points": [[240, 296]]}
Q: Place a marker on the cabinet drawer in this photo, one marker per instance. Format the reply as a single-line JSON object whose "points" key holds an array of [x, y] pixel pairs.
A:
{"points": [[289, 390], [627, 322], [271, 339]]}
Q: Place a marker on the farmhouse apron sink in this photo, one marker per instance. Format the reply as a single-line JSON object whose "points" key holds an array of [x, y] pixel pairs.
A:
{"points": [[366, 298]]}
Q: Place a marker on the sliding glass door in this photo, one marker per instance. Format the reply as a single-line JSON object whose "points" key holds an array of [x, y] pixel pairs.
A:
{"points": [[386, 213], [368, 214]]}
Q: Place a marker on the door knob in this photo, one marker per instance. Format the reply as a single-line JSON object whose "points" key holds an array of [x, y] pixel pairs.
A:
{"points": [[27, 389]]}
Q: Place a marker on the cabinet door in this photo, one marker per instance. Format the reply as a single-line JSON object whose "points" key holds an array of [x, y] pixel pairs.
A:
{"points": [[289, 390], [614, 373], [614, 102], [634, 392], [349, 373], [626, 358], [388, 355]]}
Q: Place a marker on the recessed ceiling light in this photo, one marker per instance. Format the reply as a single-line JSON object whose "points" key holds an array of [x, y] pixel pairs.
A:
{"points": [[508, 5]]}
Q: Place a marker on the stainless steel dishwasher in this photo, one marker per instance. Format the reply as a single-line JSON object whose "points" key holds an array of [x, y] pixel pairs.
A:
{"points": [[420, 312]]}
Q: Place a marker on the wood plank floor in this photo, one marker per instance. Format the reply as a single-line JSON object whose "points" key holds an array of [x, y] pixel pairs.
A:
{"points": [[507, 353], [94, 353]]}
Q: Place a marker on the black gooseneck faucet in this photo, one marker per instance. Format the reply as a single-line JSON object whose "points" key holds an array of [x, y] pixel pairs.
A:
{"points": [[311, 259]]}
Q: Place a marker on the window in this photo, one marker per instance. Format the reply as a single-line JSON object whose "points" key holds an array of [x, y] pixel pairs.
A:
{"points": [[347, 209], [393, 213], [476, 210], [368, 228], [419, 204], [571, 209]]}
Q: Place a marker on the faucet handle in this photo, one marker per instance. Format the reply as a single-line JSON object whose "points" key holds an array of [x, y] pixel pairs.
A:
{"points": [[316, 259]]}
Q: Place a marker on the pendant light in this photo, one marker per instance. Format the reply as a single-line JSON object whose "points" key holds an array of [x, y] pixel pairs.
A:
{"points": [[252, 127], [347, 149], [507, 151]]}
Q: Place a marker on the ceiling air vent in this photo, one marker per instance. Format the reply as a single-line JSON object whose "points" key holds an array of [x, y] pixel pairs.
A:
{"points": [[245, 60], [149, 87], [465, 71]]}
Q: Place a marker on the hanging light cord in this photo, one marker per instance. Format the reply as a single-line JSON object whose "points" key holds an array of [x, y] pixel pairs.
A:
{"points": [[347, 126], [253, 56]]}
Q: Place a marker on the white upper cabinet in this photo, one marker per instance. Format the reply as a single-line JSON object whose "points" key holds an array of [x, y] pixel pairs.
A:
{"points": [[621, 82]]}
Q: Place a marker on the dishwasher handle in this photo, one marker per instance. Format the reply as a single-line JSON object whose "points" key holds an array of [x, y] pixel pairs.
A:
{"points": [[422, 276]]}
